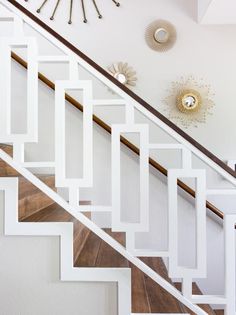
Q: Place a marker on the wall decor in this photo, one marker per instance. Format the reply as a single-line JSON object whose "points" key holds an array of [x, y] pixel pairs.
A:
{"points": [[71, 9], [160, 35], [188, 102], [123, 73]]}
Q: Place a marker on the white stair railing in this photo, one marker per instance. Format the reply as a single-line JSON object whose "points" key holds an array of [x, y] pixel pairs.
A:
{"points": [[11, 13]]}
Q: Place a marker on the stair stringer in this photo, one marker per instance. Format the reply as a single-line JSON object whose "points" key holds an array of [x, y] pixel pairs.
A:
{"points": [[65, 231]]}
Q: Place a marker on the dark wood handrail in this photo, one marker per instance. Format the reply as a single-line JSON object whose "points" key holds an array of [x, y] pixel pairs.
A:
{"points": [[137, 98], [123, 140]]}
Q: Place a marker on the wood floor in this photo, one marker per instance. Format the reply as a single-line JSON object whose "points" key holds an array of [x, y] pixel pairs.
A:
{"points": [[91, 251]]}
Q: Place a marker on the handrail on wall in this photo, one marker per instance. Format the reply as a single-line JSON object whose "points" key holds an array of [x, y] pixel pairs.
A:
{"points": [[137, 98], [123, 140]]}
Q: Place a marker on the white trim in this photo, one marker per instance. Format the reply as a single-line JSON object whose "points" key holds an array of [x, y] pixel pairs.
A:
{"points": [[39, 164], [53, 59], [109, 102], [220, 192]]}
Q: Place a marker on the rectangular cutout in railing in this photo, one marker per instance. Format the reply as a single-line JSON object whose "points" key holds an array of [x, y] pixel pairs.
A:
{"points": [[117, 224], [31, 133], [186, 226], [18, 110], [74, 124], [130, 184], [60, 127], [174, 269]]}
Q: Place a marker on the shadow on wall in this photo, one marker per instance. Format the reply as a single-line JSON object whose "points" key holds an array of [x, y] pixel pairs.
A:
{"points": [[189, 7]]}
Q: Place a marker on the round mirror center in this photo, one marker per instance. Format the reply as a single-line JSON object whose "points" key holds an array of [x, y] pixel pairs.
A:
{"points": [[161, 35], [121, 78], [189, 101]]}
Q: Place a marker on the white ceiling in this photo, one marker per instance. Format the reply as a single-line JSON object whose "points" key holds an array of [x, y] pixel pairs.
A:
{"points": [[217, 11]]}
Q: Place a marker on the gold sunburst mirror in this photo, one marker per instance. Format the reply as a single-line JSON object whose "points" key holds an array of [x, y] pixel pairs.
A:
{"points": [[160, 35], [189, 101], [123, 73]]}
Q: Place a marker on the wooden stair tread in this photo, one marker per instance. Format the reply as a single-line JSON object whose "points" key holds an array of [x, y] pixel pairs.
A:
{"points": [[5, 169], [157, 264], [160, 301], [118, 236], [219, 312], [89, 252], [31, 199], [196, 291], [51, 213], [7, 148], [26, 188], [81, 233], [140, 300], [107, 256]]}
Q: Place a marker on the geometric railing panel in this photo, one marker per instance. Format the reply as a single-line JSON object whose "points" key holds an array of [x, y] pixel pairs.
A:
{"points": [[31, 134], [200, 269], [60, 150], [143, 223]]}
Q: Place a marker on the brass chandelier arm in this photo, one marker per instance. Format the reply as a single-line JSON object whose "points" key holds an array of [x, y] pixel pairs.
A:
{"points": [[116, 3], [71, 8], [42, 5], [84, 13], [55, 9], [96, 8], [123, 140]]}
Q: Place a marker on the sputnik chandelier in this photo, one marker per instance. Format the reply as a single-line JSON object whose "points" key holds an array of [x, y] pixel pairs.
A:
{"points": [[71, 9]]}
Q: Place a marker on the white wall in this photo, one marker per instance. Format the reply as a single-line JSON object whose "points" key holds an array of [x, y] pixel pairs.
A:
{"points": [[206, 52], [30, 285]]}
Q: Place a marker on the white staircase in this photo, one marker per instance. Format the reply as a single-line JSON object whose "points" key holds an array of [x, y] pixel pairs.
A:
{"points": [[18, 18]]}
